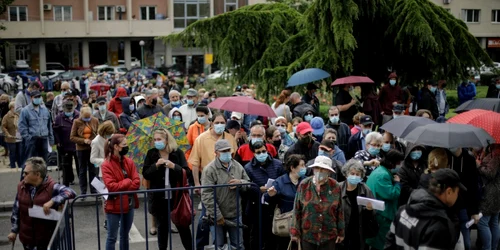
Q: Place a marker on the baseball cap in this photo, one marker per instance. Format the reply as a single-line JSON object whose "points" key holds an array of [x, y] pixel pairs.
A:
{"points": [[192, 92], [398, 108], [365, 120], [35, 93], [222, 145], [328, 143], [280, 118], [323, 162], [448, 178], [101, 99], [236, 115], [318, 125], [304, 128]]}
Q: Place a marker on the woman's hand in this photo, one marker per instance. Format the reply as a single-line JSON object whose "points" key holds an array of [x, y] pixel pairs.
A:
{"points": [[369, 206], [396, 178], [160, 162], [87, 141], [272, 191], [339, 239], [170, 164]]}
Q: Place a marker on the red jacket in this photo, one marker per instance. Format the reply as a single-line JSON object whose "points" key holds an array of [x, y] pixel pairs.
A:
{"points": [[115, 105], [244, 154], [389, 94], [115, 181]]}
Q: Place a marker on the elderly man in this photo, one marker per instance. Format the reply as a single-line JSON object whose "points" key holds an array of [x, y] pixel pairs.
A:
{"points": [[36, 189], [188, 110], [175, 101], [357, 141], [104, 115], [257, 133], [23, 98], [150, 107], [299, 108], [57, 106]]}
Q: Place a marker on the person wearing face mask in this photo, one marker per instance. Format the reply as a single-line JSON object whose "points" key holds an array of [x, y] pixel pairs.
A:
{"points": [[390, 95], [318, 219], [310, 96], [398, 111], [293, 130], [413, 167], [119, 174], [175, 115], [102, 114], [273, 136], [357, 141], [257, 134], [116, 105], [494, 89], [318, 126], [299, 108], [387, 188], [308, 116], [343, 130], [327, 148], [428, 98], [354, 215], [150, 107], [188, 110], [84, 130], [305, 145], [35, 127], [390, 142], [199, 126], [281, 124], [175, 101], [129, 114], [260, 169], [338, 154], [370, 157], [284, 189]]}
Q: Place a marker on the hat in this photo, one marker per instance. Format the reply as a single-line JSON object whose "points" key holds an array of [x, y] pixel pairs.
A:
{"points": [[392, 75], [238, 88], [448, 178], [399, 108], [311, 86], [318, 125], [236, 115], [138, 98], [101, 99], [222, 144], [279, 118], [323, 162], [35, 93], [365, 120], [304, 128], [192, 92], [233, 124]]}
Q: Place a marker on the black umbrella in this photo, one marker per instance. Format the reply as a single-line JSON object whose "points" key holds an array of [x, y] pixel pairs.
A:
{"points": [[449, 135], [403, 125], [491, 104]]}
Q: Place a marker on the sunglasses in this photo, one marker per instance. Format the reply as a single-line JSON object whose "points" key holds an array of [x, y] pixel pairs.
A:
{"points": [[261, 152]]}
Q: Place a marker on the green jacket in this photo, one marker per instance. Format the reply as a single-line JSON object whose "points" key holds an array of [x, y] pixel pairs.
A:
{"points": [[384, 188]]}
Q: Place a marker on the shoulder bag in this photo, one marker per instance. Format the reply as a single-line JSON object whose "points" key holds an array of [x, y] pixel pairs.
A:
{"points": [[182, 214], [281, 222]]}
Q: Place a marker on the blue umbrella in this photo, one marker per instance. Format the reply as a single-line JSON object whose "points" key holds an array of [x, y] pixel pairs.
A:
{"points": [[306, 76]]}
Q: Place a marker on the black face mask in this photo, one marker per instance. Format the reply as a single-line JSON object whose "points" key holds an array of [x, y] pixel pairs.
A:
{"points": [[277, 144], [306, 140], [124, 151], [154, 102]]}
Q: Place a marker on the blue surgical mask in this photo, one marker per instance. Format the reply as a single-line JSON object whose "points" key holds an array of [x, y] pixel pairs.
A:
{"points": [[176, 103], [68, 114], [433, 89], [261, 157], [102, 108], [415, 155], [282, 130], [219, 128], [308, 118], [176, 117], [354, 179], [373, 151], [131, 107], [122, 85], [160, 145], [63, 93], [255, 140], [86, 119], [37, 101], [139, 83], [386, 147], [302, 172], [322, 152], [392, 82], [225, 157], [498, 86], [334, 119], [190, 102], [294, 129], [202, 120], [366, 131]]}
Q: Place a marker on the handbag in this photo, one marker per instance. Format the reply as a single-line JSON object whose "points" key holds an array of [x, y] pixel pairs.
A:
{"points": [[182, 214], [369, 224], [281, 222]]}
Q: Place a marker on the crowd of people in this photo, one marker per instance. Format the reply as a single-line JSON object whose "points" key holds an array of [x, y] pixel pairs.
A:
{"points": [[306, 174]]}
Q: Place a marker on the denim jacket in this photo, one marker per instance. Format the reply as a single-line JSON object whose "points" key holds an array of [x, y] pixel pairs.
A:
{"points": [[35, 123]]}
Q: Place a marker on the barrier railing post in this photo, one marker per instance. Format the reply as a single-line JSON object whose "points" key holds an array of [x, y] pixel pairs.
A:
{"points": [[98, 226], [146, 218]]}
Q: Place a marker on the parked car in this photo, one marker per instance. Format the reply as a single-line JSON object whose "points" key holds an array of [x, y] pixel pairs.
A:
{"points": [[50, 74], [134, 62], [20, 65], [27, 76], [220, 74], [120, 70], [147, 72], [7, 83], [55, 66], [69, 75]]}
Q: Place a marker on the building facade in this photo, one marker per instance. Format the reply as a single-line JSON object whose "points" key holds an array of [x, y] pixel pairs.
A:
{"points": [[82, 33]]}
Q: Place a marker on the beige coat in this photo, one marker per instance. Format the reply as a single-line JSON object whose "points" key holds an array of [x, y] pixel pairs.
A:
{"points": [[9, 126]]}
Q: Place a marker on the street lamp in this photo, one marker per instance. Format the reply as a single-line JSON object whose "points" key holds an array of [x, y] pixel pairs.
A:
{"points": [[141, 43]]}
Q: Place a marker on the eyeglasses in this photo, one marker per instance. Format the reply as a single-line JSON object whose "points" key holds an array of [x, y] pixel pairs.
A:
{"points": [[256, 135], [261, 152], [281, 125], [64, 89]]}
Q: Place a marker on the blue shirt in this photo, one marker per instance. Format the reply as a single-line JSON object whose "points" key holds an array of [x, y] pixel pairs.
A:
{"points": [[35, 122], [285, 193]]}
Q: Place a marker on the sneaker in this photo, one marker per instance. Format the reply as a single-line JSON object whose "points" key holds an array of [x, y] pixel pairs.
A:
{"points": [[199, 206], [173, 229]]}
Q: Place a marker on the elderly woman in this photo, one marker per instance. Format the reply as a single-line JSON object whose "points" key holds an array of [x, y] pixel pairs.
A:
{"points": [[65, 147], [84, 130], [354, 215], [281, 124], [12, 137], [370, 156], [318, 220]]}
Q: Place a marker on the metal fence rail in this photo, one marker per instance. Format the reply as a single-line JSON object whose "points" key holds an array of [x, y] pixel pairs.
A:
{"points": [[61, 238]]}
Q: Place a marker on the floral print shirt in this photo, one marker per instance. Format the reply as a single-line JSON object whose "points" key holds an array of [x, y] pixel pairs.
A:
{"points": [[318, 217]]}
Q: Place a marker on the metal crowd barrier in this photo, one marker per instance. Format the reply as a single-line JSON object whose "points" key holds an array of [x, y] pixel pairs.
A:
{"points": [[64, 237]]}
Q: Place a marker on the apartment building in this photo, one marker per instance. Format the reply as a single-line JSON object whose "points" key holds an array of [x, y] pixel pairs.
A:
{"points": [[81, 33], [483, 19]]}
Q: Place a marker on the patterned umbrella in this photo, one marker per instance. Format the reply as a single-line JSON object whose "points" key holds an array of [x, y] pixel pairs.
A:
{"points": [[485, 119], [140, 136]]}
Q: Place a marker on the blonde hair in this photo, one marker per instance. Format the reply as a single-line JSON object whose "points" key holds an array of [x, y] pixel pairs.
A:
{"points": [[4, 98], [437, 159], [171, 143], [12, 104], [84, 110]]}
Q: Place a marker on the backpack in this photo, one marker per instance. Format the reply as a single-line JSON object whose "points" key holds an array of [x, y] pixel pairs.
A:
{"points": [[52, 159]]}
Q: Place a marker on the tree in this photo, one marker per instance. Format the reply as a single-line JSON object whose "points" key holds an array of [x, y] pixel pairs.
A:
{"points": [[266, 43]]}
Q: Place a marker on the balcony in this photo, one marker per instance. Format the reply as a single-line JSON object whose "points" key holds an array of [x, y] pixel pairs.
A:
{"points": [[78, 29]]}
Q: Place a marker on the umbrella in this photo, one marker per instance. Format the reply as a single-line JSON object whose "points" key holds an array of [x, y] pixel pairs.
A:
{"points": [[351, 80], [101, 88], [487, 120], [140, 135], [450, 135], [243, 105], [306, 76], [492, 104], [405, 124]]}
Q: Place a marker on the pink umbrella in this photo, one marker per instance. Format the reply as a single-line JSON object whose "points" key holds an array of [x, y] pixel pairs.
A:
{"points": [[244, 105], [351, 80]]}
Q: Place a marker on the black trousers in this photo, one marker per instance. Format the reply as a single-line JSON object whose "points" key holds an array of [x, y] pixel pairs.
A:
{"points": [[66, 165], [163, 228]]}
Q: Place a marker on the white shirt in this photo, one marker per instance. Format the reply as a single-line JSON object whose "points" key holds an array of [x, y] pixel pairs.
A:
{"points": [[442, 102], [188, 114]]}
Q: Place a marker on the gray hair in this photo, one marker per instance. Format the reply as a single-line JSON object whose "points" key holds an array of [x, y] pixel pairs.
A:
{"points": [[12, 104], [65, 83], [38, 166], [353, 164], [151, 92], [173, 92], [295, 95], [334, 108], [373, 136]]}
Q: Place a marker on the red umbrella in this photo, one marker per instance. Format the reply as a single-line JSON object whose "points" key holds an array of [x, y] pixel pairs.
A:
{"points": [[244, 105], [485, 119], [100, 88], [351, 80]]}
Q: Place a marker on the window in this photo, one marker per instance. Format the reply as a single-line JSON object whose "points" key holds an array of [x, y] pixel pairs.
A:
{"points": [[495, 16], [18, 13], [106, 13], [22, 52], [187, 12], [63, 13], [230, 5], [148, 12], [471, 16]]}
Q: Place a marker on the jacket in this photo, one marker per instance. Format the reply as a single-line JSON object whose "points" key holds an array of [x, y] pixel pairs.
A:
{"points": [[465, 166], [108, 116], [97, 152], [33, 123], [216, 173], [22, 100], [193, 132], [127, 117], [424, 223], [354, 145], [309, 152], [148, 110], [428, 101], [466, 91], [372, 107], [245, 155], [388, 95], [490, 176], [339, 155], [343, 134], [383, 187], [63, 126], [156, 177], [409, 174], [115, 105], [9, 127], [301, 108], [285, 193], [77, 132], [115, 181], [493, 92]]}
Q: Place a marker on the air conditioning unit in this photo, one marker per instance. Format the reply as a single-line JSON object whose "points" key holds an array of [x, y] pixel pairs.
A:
{"points": [[446, 1], [120, 8], [47, 6]]}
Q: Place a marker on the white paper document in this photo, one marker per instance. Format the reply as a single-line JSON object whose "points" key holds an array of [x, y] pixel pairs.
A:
{"points": [[99, 187], [269, 183], [37, 212], [376, 204]]}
